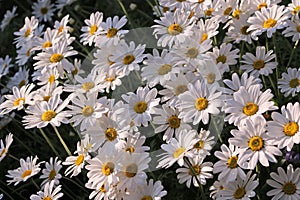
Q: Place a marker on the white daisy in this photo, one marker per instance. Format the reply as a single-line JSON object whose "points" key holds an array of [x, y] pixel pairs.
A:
{"points": [[285, 184], [228, 164], [267, 19], [294, 7], [169, 122], [150, 190], [238, 30], [49, 192], [50, 37], [4, 148], [8, 16], [24, 53], [255, 144], [203, 171], [51, 172], [174, 28], [204, 143], [141, 104], [5, 65], [289, 84], [206, 28], [259, 64], [19, 79], [248, 104], [198, 102], [92, 29], [43, 10], [177, 148], [26, 33], [293, 28], [134, 143], [284, 129], [27, 169]]}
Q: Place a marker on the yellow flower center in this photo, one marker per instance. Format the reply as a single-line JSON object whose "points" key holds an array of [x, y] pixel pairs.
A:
{"points": [[47, 44], [55, 58], [204, 37], [256, 143], [291, 128], [111, 134], [232, 162], [197, 170], [222, 59], [131, 170], [26, 173], [260, 6], [108, 168], [128, 59], [289, 188], [111, 32], [180, 89], [27, 32], [164, 69], [79, 160], [44, 10], [87, 86], [165, 9], [294, 83], [140, 107], [93, 29], [46, 98], [259, 64], [296, 10], [2, 152], [75, 71], [46, 198], [175, 29], [201, 1], [51, 79], [130, 149], [211, 77], [227, 11], [102, 189], [110, 79], [48, 115], [178, 152], [250, 109], [174, 121], [192, 53], [239, 193], [18, 101], [180, 0], [52, 174], [244, 30], [87, 111], [22, 83], [209, 12], [236, 14], [199, 145], [269, 23], [60, 29], [201, 103], [146, 198]]}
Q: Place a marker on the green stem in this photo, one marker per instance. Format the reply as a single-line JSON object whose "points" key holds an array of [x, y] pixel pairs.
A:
{"points": [[34, 183], [62, 141], [49, 143], [13, 157], [126, 13], [292, 53]]}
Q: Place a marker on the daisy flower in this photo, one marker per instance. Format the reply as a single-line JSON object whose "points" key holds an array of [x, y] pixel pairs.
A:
{"points": [[150, 190], [20, 78], [174, 28], [112, 80], [85, 110], [173, 4], [209, 71], [18, 99], [216, 188], [26, 33], [169, 122], [204, 143], [289, 84], [27, 169], [248, 104], [284, 129], [55, 57], [228, 164], [259, 4], [159, 68], [240, 189], [293, 28], [47, 112], [224, 56], [8, 16], [5, 65], [128, 57], [238, 30], [285, 184], [267, 20], [177, 148], [259, 64], [43, 10], [51, 172], [49, 192], [24, 53], [207, 29], [132, 170], [4, 148], [198, 102], [225, 9], [50, 37], [255, 144], [294, 7], [49, 78], [92, 29], [62, 26], [141, 104], [111, 32], [202, 171]]}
